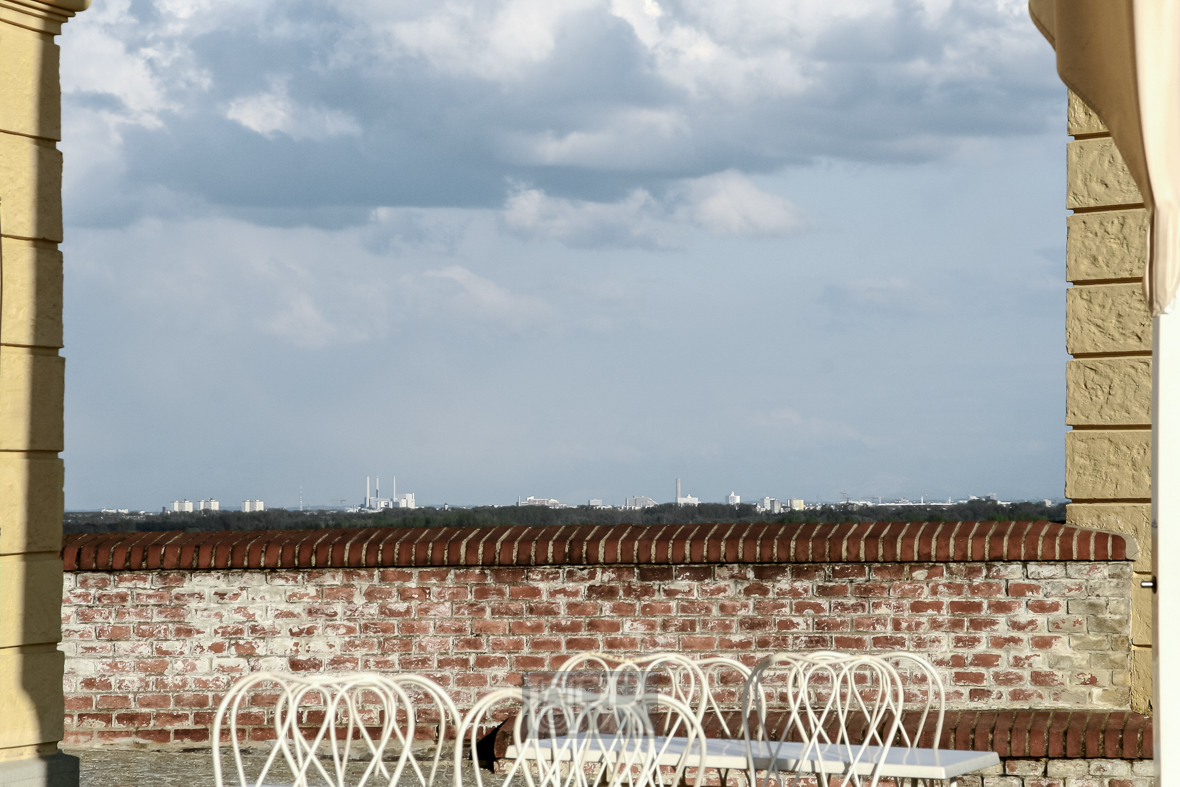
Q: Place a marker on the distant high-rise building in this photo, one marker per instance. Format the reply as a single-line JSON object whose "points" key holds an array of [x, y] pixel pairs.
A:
{"points": [[795, 504], [769, 505], [182, 506], [640, 501], [688, 500], [208, 505], [379, 503], [253, 505], [547, 502], [733, 500]]}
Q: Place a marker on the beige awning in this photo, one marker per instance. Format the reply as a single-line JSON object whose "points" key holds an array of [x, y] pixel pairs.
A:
{"points": [[1122, 57]]}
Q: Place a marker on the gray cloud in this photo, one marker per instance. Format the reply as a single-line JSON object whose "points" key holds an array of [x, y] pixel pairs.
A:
{"points": [[289, 108]]}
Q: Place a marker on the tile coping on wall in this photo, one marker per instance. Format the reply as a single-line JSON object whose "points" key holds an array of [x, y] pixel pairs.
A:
{"points": [[865, 542]]}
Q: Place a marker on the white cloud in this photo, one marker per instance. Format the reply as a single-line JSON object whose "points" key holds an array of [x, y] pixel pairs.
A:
{"points": [[636, 220], [295, 287], [724, 204], [308, 288], [491, 40], [300, 321], [459, 293], [274, 112], [642, 15], [689, 55], [98, 60], [727, 203], [630, 138]]}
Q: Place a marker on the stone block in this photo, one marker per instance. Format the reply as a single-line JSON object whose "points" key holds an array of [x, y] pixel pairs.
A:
{"points": [[1143, 768], [1118, 661], [45, 770], [1119, 571], [1069, 661], [1112, 698], [1086, 606], [1096, 175], [1108, 391], [31, 701], [30, 187], [1108, 464], [1064, 769], [32, 398], [1045, 570], [1133, 519], [1141, 680], [1110, 768], [32, 294], [32, 499], [1003, 781], [1106, 245], [1089, 642], [1106, 624], [30, 599], [1140, 614], [1080, 119], [30, 98], [1106, 318], [1024, 767]]}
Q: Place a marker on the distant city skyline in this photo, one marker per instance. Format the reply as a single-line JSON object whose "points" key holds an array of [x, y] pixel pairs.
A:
{"points": [[626, 502]]}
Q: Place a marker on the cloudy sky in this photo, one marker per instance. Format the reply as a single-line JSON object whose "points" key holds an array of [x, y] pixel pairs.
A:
{"points": [[567, 249]]}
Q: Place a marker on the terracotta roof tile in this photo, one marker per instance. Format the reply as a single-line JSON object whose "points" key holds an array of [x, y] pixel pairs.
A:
{"points": [[518, 545]]}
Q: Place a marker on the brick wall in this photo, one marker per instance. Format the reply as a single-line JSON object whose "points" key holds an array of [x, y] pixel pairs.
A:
{"points": [[155, 648], [1066, 773], [1017, 616]]}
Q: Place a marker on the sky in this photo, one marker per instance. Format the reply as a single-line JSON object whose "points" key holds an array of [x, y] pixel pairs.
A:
{"points": [[570, 249]]}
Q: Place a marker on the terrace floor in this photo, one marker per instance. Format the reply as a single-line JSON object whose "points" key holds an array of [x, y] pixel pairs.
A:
{"points": [[128, 768]]}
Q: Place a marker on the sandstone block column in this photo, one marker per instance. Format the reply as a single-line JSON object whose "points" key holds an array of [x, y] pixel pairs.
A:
{"points": [[1108, 383], [32, 375]]}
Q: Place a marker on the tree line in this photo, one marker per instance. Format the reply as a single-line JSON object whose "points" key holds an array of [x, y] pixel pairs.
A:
{"points": [[538, 516]]}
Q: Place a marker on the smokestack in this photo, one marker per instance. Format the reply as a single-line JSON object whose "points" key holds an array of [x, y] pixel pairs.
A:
{"points": [[378, 487], [678, 490]]}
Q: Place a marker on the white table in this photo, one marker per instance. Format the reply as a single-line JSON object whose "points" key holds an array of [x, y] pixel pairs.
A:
{"points": [[723, 754]]}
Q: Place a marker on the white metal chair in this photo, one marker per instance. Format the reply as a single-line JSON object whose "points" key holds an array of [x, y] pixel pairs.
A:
{"points": [[858, 717], [840, 715], [569, 736], [725, 680], [923, 699], [700, 684], [695, 683], [338, 729]]}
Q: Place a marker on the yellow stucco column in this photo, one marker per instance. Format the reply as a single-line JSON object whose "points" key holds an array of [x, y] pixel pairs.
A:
{"points": [[1108, 383], [32, 376]]}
